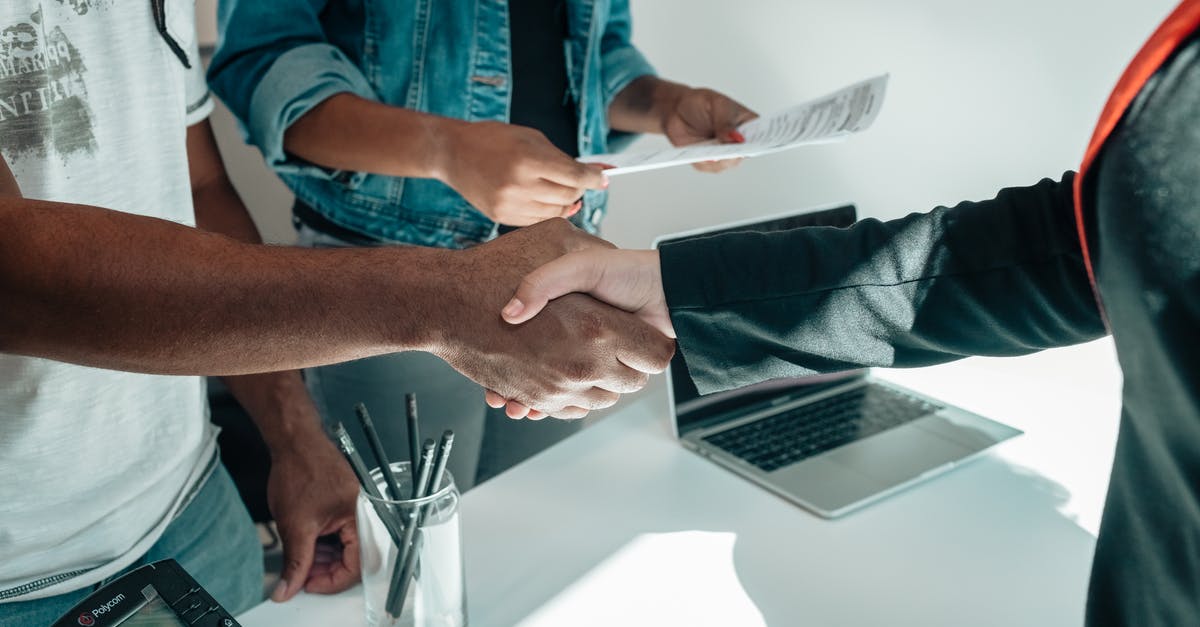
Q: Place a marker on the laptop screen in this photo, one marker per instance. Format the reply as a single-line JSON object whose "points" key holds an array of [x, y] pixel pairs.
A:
{"points": [[692, 408]]}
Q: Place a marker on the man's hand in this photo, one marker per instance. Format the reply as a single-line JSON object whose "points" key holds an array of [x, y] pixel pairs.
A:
{"points": [[312, 493], [684, 114], [628, 279], [577, 356], [513, 174]]}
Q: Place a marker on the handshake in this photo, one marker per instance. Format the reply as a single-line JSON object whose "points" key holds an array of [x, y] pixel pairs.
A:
{"points": [[555, 322]]}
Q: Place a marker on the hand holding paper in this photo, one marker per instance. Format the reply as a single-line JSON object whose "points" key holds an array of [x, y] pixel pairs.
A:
{"points": [[827, 119]]}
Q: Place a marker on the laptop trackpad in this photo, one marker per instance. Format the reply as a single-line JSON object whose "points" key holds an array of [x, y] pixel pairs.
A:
{"points": [[826, 485], [900, 454]]}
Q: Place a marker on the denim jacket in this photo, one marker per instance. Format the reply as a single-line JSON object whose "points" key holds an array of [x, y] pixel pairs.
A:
{"points": [[277, 59]]}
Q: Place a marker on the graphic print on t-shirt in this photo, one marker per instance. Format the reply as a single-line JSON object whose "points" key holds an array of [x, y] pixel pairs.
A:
{"points": [[43, 98]]}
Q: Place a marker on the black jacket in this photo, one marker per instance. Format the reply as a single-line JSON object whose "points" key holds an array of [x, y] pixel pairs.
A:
{"points": [[1006, 277]]}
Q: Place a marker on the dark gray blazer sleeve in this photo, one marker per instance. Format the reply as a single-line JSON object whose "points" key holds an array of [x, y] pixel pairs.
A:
{"points": [[998, 277]]}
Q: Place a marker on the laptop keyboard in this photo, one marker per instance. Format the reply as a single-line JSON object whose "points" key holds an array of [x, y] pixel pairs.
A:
{"points": [[797, 434]]}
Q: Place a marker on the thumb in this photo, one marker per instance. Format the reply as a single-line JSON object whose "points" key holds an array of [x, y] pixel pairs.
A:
{"points": [[574, 272], [298, 548]]}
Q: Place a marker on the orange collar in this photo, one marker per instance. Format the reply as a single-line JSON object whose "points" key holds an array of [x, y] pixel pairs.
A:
{"points": [[1178, 26]]}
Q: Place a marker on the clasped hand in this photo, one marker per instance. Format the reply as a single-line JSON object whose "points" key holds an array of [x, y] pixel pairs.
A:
{"points": [[627, 280], [577, 355]]}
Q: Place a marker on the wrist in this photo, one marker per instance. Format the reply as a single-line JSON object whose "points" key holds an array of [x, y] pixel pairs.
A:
{"points": [[468, 298], [445, 138], [664, 101], [295, 435], [413, 303]]}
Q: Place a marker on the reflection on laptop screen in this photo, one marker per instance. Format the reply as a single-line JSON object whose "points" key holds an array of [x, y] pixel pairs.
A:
{"points": [[692, 408]]}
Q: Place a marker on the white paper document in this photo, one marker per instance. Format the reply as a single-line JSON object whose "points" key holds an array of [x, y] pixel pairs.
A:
{"points": [[827, 119]]}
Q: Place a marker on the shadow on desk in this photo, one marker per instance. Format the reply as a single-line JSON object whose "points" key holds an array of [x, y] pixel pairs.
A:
{"points": [[634, 530]]}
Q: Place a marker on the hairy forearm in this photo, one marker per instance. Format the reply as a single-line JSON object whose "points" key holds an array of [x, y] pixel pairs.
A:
{"points": [[182, 301], [347, 132], [641, 107], [277, 402]]}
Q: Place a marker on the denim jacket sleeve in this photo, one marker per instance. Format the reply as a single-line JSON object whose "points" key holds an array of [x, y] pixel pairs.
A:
{"points": [[272, 66], [999, 277], [620, 62]]}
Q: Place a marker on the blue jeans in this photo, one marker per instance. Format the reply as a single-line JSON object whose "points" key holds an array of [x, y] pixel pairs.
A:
{"points": [[213, 539]]}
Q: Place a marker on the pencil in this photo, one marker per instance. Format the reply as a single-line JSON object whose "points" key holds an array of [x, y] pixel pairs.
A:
{"points": [[399, 587], [386, 516], [385, 466], [439, 462], [414, 438], [408, 567]]}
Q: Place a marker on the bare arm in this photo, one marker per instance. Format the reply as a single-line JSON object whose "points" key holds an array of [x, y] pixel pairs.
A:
{"points": [[684, 114], [112, 290], [8, 184], [311, 492], [373, 137], [643, 105], [512, 174]]}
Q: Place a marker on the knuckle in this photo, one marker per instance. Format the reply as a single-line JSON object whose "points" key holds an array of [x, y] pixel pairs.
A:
{"points": [[666, 352], [570, 413], [577, 371], [528, 288], [518, 167], [591, 327], [605, 401], [510, 191]]}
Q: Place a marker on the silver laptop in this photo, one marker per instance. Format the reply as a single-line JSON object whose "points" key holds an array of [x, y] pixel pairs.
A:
{"points": [[829, 443]]}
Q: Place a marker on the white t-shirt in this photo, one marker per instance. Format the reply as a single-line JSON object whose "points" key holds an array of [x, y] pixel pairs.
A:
{"points": [[94, 108]]}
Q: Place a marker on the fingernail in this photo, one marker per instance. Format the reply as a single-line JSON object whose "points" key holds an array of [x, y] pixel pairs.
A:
{"points": [[513, 308], [280, 591], [736, 136], [605, 183]]}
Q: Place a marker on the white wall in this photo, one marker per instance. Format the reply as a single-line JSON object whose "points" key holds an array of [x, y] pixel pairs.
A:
{"points": [[984, 94]]}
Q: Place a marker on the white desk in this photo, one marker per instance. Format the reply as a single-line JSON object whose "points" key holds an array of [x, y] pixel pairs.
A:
{"points": [[622, 526]]}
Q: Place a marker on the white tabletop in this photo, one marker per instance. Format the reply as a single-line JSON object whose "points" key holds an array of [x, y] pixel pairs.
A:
{"points": [[621, 526]]}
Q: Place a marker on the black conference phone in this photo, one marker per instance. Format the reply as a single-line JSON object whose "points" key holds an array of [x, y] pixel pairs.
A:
{"points": [[161, 594]]}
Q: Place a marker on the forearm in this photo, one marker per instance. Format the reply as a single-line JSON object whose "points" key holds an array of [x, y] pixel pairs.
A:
{"points": [[182, 301], [280, 407], [277, 402], [347, 132], [8, 184], [643, 105], [1000, 277]]}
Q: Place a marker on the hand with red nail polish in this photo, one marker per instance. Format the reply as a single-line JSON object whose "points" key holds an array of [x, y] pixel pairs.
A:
{"points": [[684, 114], [703, 114]]}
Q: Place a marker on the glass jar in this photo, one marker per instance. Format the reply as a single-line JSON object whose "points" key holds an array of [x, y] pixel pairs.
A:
{"points": [[433, 592]]}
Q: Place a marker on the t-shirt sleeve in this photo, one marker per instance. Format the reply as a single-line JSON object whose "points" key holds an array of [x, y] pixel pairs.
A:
{"points": [[198, 97], [181, 23]]}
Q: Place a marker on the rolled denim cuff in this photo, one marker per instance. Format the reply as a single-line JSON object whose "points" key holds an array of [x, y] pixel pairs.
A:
{"points": [[298, 81], [621, 66]]}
